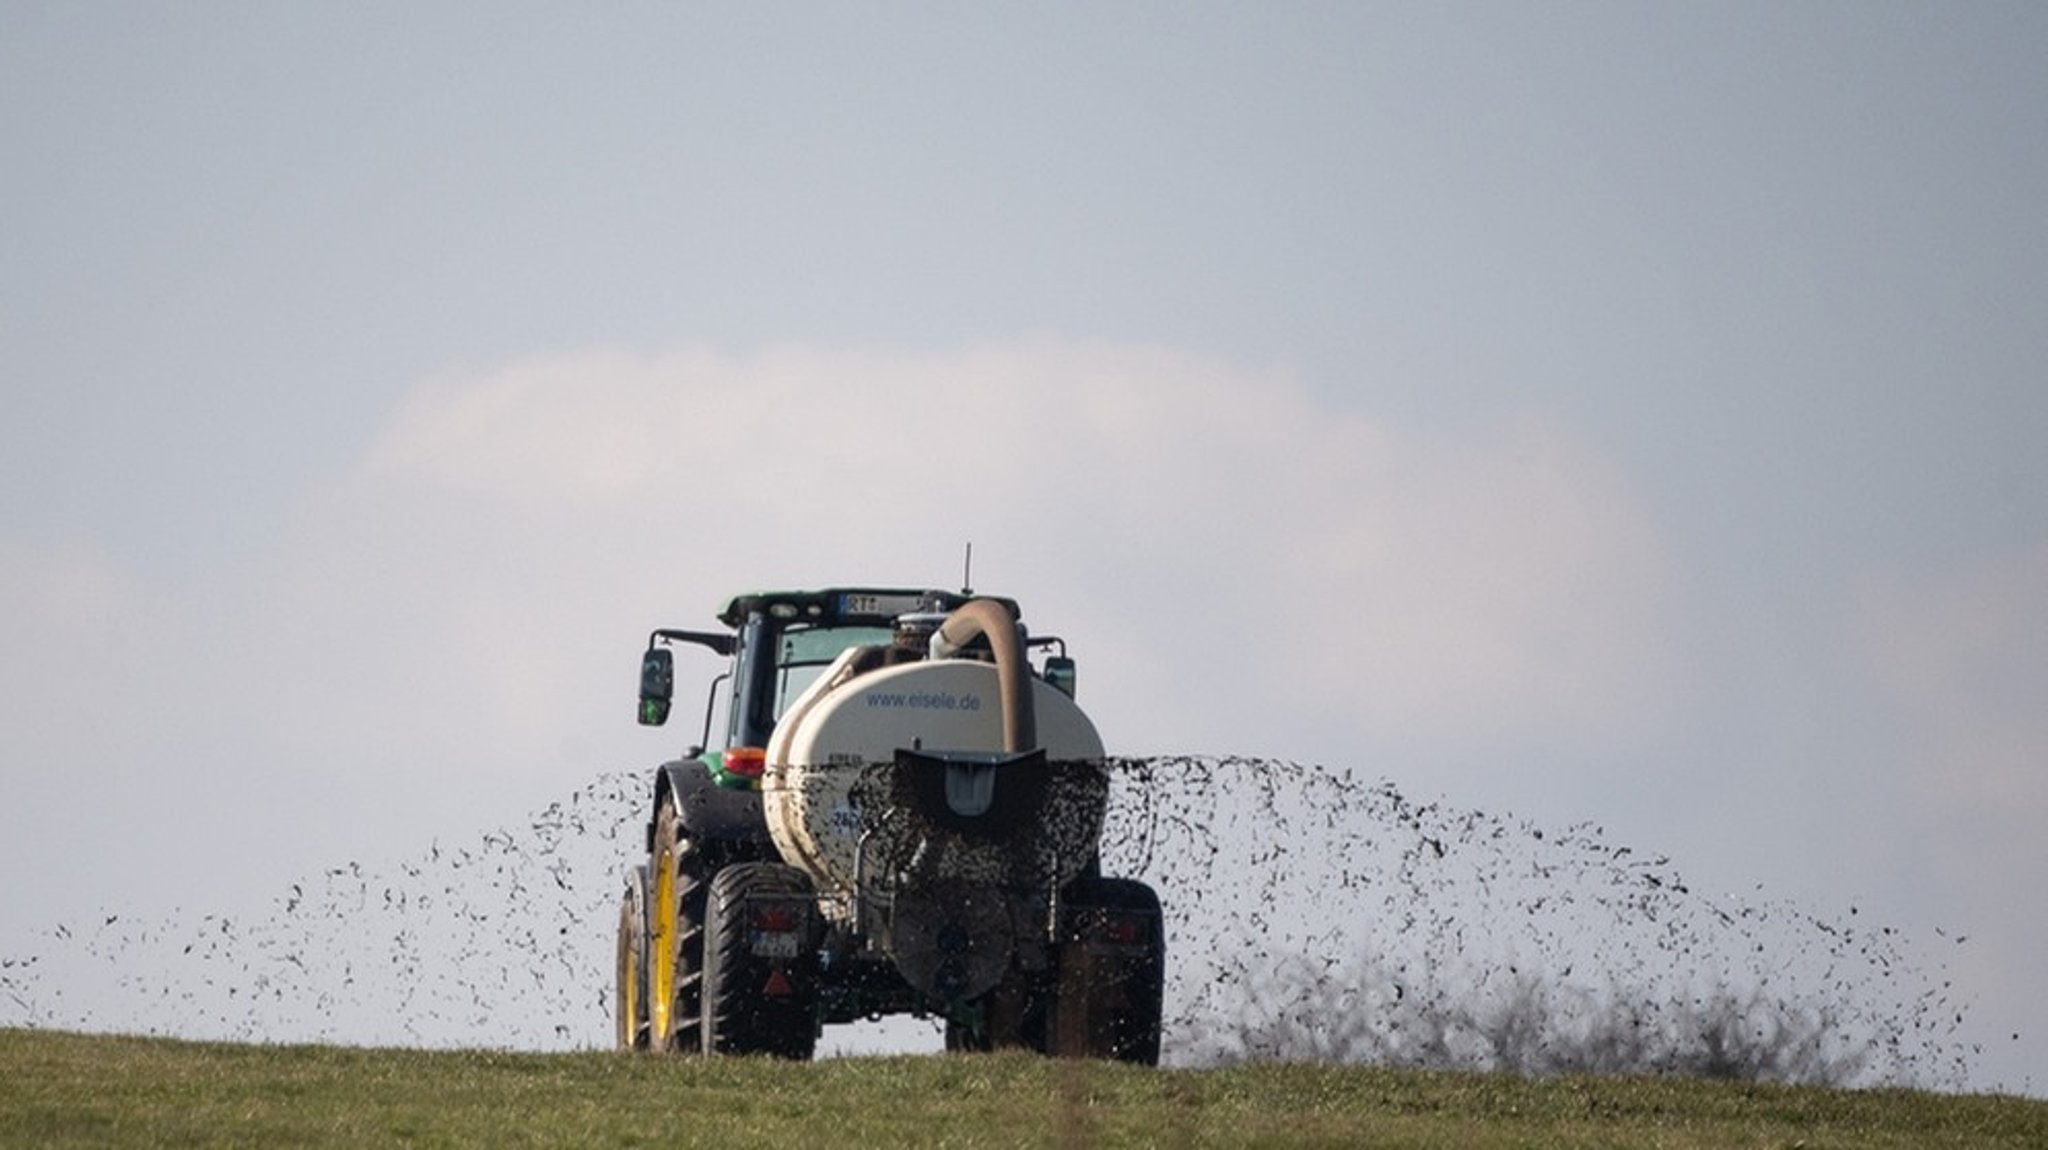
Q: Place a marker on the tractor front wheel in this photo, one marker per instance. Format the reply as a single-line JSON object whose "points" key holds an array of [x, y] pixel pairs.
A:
{"points": [[675, 938], [629, 997]]}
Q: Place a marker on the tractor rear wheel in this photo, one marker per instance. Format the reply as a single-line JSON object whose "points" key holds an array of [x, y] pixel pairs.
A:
{"points": [[760, 983], [629, 998], [1112, 973], [675, 938]]}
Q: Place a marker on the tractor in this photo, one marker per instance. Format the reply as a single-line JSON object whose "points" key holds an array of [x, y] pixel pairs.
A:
{"points": [[906, 817]]}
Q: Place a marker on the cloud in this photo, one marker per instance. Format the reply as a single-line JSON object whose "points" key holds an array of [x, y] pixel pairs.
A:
{"points": [[447, 631], [1225, 542]]}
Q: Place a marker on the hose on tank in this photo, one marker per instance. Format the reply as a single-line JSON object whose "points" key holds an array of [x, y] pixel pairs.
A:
{"points": [[989, 617]]}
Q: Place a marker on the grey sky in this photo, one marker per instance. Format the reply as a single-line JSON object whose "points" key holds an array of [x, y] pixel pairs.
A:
{"points": [[1625, 413]]}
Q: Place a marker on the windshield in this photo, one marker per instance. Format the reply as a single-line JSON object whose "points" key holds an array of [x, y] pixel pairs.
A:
{"points": [[803, 653], [776, 661]]}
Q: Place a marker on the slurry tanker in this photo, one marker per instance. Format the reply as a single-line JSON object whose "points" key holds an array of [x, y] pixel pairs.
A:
{"points": [[905, 817]]}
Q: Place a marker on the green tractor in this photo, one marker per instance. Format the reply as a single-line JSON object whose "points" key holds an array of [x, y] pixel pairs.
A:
{"points": [[905, 817]]}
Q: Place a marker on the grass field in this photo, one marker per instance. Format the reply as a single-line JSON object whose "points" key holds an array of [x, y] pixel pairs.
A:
{"points": [[59, 1089]]}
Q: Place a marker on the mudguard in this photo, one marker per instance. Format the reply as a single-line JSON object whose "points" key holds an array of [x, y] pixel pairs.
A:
{"points": [[709, 811]]}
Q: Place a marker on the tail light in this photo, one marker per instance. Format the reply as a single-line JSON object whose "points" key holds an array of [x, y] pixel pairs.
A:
{"points": [[745, 762], [776, 929], [779, 917]]}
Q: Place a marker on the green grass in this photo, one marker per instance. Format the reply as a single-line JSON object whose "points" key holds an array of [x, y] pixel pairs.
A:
{"points": [[59, 1089]]}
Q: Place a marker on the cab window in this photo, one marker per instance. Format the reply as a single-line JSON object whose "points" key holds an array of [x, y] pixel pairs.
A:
{"points": [[802, 654]]}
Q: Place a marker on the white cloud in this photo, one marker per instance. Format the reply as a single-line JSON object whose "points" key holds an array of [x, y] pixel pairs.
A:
{"points": [[450, 628], [1220, 541]]}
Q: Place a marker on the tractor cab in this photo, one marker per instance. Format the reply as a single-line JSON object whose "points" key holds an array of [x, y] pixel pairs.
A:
{"points": [[779, 642]]}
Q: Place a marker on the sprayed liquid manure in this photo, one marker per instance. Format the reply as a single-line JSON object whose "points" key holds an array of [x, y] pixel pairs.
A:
{"points": [[1312, 915]]}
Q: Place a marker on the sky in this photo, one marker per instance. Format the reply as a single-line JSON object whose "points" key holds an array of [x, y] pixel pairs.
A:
{"points": [[1609, 413]]}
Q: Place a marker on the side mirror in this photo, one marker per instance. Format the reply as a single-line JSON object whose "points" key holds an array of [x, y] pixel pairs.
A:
{"points": [[1059, 671], [657, 685]]}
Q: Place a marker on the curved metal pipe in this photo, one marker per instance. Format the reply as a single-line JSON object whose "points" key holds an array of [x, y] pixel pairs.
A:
{"points": [[1013, 673]]}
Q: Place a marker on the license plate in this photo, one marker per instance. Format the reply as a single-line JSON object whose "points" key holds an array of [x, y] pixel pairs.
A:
{"points": [[890, 605], [776, 944]]}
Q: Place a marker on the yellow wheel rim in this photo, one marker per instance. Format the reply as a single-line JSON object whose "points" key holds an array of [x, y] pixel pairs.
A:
{"points": [[661, 983], [631, 993]]}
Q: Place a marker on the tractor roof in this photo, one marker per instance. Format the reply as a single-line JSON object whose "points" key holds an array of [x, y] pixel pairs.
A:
{"points": [[841, 606]]}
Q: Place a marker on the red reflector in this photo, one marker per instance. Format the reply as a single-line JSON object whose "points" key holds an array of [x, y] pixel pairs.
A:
{"points": [[746, 762], [777, 985], [775, 917]]}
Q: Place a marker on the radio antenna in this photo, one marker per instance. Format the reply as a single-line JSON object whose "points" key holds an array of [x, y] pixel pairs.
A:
{"points": [[967, 571]]}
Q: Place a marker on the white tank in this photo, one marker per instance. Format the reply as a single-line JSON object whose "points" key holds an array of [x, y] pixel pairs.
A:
{"points": [[831, 780]]}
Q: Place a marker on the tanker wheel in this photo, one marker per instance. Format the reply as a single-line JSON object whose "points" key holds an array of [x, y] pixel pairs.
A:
{"points": [[675, 939], [1112, 977], [964, 1039], [629, 997], [757, 1003]]}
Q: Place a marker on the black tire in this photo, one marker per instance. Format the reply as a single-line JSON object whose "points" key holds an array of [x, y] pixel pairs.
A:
{"points": [[1111, 994], [675, 938], [755, 1004], [629, 996]]}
